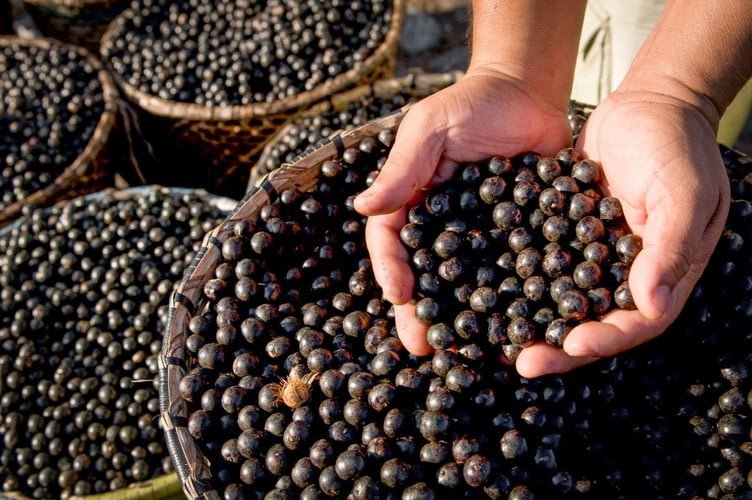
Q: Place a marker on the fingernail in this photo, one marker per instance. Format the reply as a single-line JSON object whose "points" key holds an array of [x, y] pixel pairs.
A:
{"points": [[662, 298]]}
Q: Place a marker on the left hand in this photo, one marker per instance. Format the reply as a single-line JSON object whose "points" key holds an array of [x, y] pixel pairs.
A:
{"points": [[660, 158]]}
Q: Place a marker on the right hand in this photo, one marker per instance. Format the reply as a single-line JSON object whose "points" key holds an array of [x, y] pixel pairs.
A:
{"points": [[487, 113]]}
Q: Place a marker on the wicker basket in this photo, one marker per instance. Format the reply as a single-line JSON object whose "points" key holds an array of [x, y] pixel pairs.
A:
{"points": [[190, 463], [81, 22], [215, 145], [89, 172], [166, 486], [415, 86]]}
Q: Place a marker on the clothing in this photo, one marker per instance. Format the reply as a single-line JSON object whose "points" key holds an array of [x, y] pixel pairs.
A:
{"points": [[612, 33]]}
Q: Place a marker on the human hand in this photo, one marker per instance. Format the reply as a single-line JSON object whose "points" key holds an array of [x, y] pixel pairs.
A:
{"points": [[661, 160], [487, 113]]}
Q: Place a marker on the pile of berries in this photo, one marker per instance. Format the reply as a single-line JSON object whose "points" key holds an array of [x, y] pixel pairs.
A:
{"points": [[518, 250], [51, 101], [84, 288]]}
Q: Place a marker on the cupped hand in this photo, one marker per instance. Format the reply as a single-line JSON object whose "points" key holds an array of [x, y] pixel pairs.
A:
{"points": [[661, 160], [486, 113]]}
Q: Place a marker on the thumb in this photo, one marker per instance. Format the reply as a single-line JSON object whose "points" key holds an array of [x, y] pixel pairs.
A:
{"points": [[418, 147], [673, 255]]}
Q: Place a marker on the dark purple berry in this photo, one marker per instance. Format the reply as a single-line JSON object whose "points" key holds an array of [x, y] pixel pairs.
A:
{"points": [[573, 305], [623, 297]]}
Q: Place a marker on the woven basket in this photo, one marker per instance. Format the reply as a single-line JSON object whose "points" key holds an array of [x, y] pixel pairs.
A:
{"points": [[416, 86], [190, 464], [89, 172], [215, 145], [166, 486], [81, 22]]}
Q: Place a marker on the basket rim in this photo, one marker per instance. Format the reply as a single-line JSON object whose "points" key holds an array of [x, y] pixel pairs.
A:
{"points": [[98, 139], [187, 458], [191, 111]]}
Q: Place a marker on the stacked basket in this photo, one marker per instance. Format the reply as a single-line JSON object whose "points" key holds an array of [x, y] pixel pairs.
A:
{"points": [[89, 171], [215, 144]]}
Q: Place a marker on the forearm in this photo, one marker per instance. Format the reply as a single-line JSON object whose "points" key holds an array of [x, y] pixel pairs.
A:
{"points": [[534, 41], [699, 51]]}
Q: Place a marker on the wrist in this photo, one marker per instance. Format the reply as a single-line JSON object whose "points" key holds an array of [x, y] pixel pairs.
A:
{"points": [[659, 88], [533, 42], [552, 96]]}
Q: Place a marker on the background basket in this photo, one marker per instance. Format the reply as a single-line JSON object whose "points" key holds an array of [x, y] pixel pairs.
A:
{"points": [[89, 172], [413, 87], [81, 22], [166, 486], [191, 465], [213, 146]]}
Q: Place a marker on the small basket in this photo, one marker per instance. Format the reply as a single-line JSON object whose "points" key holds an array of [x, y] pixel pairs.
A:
{"points": [[215, 145], [191, 465], [80, 22], [415, 86], [89, 172]]}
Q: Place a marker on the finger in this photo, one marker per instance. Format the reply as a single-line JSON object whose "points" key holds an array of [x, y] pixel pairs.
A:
{"points": [[616, 332], [389, 256], [672, 259], [541, 359], [415, 155], [411, 332]]}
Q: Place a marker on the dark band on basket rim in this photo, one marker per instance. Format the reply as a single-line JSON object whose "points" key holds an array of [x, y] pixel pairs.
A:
{"points": [[339, 144], [172, 360], [215, 241], [185, 301], [271, 191]]}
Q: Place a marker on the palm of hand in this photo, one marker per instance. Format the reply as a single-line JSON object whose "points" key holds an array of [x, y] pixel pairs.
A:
{"points": [[662, 161]]}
